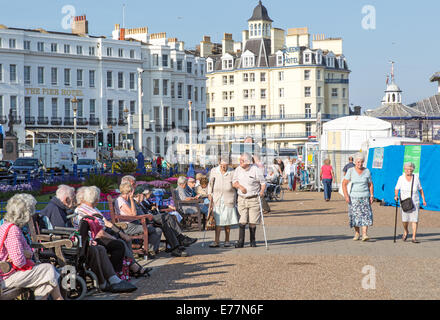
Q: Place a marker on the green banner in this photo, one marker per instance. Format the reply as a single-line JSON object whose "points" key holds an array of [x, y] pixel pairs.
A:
{"points": [[412, 154]]}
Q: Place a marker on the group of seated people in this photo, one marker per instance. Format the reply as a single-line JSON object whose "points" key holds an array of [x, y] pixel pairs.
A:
{"points": [[110, 246], [193, 189]]}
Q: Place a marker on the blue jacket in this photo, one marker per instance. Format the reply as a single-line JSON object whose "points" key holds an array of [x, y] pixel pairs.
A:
{"points": [[56, 212]]}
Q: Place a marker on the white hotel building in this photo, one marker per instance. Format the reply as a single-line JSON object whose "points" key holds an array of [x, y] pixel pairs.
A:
{"points": [[42, 71], [274, 84]]}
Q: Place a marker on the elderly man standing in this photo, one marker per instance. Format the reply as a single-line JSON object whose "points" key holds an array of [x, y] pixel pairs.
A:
{"points": [[250, 184], [57, 209]]}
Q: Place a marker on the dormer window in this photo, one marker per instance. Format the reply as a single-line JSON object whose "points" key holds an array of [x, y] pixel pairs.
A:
{"points": [[280, 58], [248, 59], [307, 58], [227, 62], [248, 62], [209, 65], [330, 62], [318, 57]]}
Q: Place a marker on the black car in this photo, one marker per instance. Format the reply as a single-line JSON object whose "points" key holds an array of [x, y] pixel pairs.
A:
{"points": [[6, 169], [23, 166]]}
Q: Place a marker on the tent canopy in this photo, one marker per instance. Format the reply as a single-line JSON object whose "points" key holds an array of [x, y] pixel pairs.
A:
{"points": [[361, 123]]}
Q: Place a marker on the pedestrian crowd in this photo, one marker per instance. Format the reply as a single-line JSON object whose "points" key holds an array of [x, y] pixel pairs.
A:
{"points": [[230, 196]]}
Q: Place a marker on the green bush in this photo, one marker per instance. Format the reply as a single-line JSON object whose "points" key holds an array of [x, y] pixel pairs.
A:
{"points": [[125, 167]]}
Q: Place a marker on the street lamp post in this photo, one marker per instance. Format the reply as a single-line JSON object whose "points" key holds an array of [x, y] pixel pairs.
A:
{"points": [[191, 172], [127, 116], [140, 110], [75, 156]]}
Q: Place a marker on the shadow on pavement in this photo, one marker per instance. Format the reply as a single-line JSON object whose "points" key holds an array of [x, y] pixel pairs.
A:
{"points": [[170, 278]]}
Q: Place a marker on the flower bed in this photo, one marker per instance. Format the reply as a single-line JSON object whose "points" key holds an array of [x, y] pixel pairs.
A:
{"points": [[159, 184]]}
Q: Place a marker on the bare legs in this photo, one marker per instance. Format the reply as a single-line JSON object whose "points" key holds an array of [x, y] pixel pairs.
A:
{"points": [[217, 233], [414, 226]]}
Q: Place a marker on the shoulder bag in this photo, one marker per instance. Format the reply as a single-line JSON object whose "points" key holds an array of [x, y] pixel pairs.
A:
{"points": [[407, 204], [29, 263]]}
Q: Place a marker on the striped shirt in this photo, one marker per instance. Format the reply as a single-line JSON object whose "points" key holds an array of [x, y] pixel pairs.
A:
{"points": [[13, 248]]}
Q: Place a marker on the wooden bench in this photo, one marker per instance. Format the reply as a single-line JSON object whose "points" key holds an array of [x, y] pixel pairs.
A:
{"points": [[189, 218], [118, 219]]}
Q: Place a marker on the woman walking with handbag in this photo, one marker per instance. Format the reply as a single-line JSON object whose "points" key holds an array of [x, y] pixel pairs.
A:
{"points": [[360, 197], [409, 185]]}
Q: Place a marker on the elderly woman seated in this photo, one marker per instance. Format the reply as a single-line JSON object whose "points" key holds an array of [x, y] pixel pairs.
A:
{"points": [[125, 205], [104, 233], [185, 191], [24, 273]]}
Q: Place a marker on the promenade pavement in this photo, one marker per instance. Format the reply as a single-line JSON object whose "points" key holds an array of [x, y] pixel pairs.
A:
{"points": [[311, 255]]}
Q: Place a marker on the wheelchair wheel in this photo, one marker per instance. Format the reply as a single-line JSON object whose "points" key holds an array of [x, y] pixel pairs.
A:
{"points": [[76, 293], [91, 282]]}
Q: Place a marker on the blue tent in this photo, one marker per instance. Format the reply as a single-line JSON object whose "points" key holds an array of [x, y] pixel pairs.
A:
{"points": [[390, 168]]}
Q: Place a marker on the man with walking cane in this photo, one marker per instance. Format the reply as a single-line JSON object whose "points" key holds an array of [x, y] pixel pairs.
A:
{"points": [[249, 181]]}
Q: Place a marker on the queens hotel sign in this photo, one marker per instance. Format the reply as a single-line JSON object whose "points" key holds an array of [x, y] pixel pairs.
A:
{"points": [[291, 56], [54, 92]]}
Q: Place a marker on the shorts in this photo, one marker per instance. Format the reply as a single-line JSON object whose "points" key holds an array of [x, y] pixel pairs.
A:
{"points": [[249, 210]]}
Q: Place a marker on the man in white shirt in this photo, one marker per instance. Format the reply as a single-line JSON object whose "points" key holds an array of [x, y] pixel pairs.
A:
{"points": [[250, 184]]}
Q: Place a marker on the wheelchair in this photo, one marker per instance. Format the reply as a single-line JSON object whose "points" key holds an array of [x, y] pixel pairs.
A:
{"points": [[275, 191], [77, 280]]}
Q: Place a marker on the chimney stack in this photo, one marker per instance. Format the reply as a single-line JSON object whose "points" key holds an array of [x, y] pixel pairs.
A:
{"points": [[80, 25], [227, 43]]}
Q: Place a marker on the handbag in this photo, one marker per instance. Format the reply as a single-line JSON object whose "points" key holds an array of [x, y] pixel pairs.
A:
{"points": [[407, 204], [349, 186], [29, 263]]}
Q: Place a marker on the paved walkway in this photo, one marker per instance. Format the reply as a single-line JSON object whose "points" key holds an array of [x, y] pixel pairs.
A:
{"points": [[311, 255]]}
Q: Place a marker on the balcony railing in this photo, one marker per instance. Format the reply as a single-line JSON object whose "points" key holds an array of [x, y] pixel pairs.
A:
{"points": [[94, 121], [43, 120], [68, 121], [82, 121], [302, 116], [3, 119], [112, 121], [336, 81], [55, 121], [29, 120], [269, 136]]}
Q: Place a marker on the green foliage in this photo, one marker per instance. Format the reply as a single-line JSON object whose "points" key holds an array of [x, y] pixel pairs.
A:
{"points": [[122, 167], [104, 183]]}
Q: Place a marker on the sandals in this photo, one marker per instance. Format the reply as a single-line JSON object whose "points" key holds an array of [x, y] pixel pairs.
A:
{"points": [[142, 272], [415, 241], [227, 244], [214, 245], [404, 237]]}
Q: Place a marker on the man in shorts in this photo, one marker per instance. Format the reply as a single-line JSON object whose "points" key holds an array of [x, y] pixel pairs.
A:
{"points": [[249, 181]]}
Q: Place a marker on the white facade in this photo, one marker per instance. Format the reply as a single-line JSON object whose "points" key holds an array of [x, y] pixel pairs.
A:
{"points": [[276, 86], [41, 72]]}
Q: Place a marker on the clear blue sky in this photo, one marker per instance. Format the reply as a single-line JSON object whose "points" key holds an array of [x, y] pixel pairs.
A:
{"points": [[406, 31]]}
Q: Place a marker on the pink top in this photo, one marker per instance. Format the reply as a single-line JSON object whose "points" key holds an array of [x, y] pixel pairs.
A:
{"points": [[13, 247], [326, 171]]}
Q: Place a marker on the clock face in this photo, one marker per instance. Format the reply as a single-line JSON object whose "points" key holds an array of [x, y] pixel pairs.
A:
{"points": [[9, 147]]}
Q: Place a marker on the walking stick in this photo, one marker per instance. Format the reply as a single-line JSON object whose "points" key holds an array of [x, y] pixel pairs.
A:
{"points": [[262, 219], [209, 212], [206, 224], [395, 223]]}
